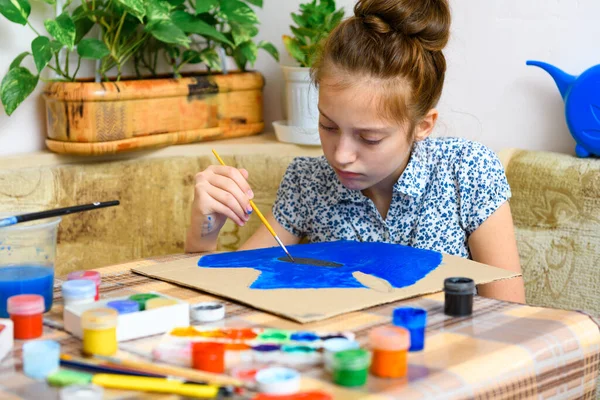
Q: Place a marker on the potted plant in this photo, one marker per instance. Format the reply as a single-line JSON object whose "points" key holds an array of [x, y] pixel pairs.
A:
{"points": [[118, 112], [315, 21]]}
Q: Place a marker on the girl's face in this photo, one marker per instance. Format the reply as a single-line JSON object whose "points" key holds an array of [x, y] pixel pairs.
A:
{"points": [[365, 150]]}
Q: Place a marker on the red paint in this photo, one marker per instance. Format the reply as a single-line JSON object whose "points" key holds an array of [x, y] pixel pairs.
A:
{"points": [[240, 334], [26, 311], [209, 357], [312, 395]]}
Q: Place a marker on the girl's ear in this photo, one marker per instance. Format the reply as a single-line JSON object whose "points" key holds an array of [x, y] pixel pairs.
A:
{"points": [[425, 127]]}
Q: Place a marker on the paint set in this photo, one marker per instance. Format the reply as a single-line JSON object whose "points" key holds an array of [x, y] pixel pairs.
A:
{"points": [[239, 346]]}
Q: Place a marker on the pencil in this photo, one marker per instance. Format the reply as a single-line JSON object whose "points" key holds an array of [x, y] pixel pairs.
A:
{"points": [[261, 216], [8, 221]]}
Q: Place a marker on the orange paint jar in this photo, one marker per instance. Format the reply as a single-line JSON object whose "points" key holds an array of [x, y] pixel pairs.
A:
{"points": [[208, 356], [390, 346], [26, 314]]}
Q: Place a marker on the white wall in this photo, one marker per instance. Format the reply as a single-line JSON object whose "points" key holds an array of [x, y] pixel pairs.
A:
{"points": [[490, 95]]}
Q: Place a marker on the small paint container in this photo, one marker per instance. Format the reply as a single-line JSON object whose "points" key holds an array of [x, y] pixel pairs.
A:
{"points": [[78, 291], [266, 353], [6, 337], [93, 276], [300, 355], [390, 345], [124, 306], [159, 302], [82, 392], [209, 311], [26, 314], [208, 356], [273, 336], [99, 327], [335, 345], [304, 336], [458, 298], [142, 298], [278, 380], [415, 320], [40, 358], [240, 334], [351, 367]]}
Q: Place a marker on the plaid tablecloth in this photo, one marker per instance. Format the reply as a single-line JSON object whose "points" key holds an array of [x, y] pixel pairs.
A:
{"points": [[501, 351]]}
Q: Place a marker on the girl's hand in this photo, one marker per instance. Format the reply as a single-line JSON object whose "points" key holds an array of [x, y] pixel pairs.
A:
{"points": [[221, 192]]}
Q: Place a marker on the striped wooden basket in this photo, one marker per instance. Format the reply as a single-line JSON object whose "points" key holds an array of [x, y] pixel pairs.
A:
{"points": [[89, 118]]}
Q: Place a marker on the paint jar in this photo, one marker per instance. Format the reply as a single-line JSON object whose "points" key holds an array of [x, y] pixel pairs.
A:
{"points": [[266, 353], [27, 254], [40, 358], [458, 296], [389, 344], [304, 336], [93, 276], [159, 302], [99, 327], [415, 320], [124, 306], [78, 291], [82, 392], [142, 298], [208, 356], [300, 355], [240, 334], [26, 314], [6, 337], [208, 311], [351, 367], [273, 336], [278, 380], [335, 345]]}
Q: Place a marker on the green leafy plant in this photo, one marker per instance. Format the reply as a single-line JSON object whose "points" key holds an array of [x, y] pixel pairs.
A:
{"points": [[136, 32], [314, 23]]}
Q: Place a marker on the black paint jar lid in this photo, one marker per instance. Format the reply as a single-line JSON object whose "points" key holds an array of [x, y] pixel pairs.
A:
{"points": [[459, 285]]}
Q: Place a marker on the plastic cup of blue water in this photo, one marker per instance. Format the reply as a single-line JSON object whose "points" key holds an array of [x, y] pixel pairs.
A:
{"points": [[415, 320], [27, 255], [41, 358]]}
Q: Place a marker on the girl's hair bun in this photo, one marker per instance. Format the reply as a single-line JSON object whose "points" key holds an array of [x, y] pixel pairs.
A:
{"points": [[427, 21]]}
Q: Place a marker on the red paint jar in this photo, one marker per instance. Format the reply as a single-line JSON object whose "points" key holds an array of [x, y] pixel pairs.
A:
{"points": [[90, 275], [208, 356], [26, 311]]}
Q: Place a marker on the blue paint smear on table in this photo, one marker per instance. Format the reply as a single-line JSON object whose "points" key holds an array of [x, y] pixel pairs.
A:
{"points": [[400, 265]]}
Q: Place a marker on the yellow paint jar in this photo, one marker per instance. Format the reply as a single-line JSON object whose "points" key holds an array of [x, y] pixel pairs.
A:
{"points": [[158, 302], [99, 327]]}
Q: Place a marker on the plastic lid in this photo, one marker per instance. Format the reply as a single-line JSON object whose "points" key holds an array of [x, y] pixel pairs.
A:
{"points": [[90, 275], [459, 285], [79, 289], [25, 304], [355, 359], [340, 344], [278, 380], [99, 318], [392, 338], [82, 392], [124, 306]]}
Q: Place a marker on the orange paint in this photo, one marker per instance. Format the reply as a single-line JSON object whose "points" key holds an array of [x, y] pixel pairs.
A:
{"points": [[27, 326], [240, 334], [190, 331], [209, 357], [237, 346], [390, 345]]}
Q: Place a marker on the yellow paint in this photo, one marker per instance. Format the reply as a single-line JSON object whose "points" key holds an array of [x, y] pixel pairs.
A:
{"points": [[101, 342], [160, 302]]}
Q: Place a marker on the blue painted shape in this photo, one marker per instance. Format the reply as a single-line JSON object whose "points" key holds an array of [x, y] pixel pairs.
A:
{"points": [[399, 265]]}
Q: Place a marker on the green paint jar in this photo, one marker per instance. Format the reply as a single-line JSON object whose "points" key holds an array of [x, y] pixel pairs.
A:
{"points": [[351, 367], [273, 336], [142, 298]]}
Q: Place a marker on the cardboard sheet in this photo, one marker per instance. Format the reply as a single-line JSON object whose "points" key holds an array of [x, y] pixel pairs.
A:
{"points": [[307, 305]]}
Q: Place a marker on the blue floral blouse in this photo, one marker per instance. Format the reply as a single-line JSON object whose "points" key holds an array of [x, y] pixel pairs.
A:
{"points": [[448, 189]]}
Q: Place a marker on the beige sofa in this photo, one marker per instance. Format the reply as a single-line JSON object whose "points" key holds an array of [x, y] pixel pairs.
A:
{"points": [[556, 207]]}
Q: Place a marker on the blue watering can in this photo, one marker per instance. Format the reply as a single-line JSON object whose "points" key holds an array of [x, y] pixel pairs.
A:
{"points": [[581, 95]]}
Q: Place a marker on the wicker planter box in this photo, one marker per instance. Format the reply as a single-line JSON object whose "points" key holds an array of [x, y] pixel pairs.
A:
{"points": [[89, 118]]}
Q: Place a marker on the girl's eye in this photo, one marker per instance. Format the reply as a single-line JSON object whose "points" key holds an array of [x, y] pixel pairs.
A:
{"points": [[327, 128], [370, 142]]}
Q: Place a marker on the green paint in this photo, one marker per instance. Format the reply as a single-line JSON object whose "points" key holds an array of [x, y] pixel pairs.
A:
{"points": [[142, 298], [274, 335], [65, 377], [351, 367]]}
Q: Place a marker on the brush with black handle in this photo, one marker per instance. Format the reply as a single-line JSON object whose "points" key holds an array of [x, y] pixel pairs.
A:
{"points": [[8, 221]]}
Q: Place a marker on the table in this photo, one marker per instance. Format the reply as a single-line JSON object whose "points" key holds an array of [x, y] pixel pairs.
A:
{"points": [[503, 350]]}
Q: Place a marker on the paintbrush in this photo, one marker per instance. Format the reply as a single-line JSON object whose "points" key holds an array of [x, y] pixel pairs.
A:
{"points": [[262, 218], [8, 221], [92, 365]]}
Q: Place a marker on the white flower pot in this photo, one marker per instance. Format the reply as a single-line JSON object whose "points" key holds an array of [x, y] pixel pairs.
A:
{"points": [[302, 98]]}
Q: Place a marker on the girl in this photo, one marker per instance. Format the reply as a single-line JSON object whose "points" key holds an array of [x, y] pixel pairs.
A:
{"points": [[380, 75]]}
